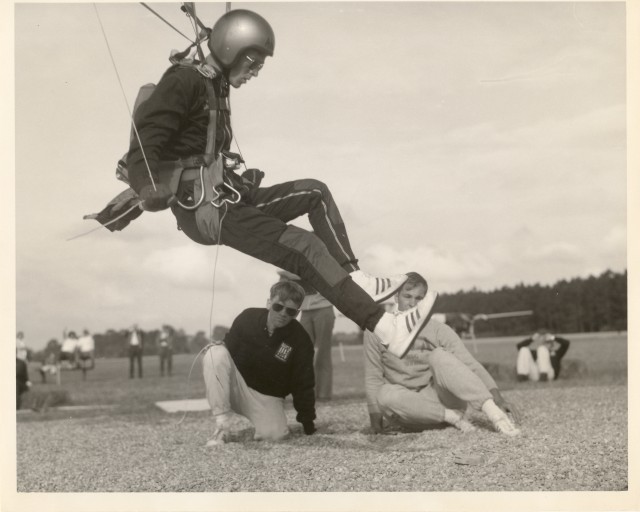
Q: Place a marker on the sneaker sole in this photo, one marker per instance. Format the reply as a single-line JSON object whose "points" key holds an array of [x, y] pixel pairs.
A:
{"points": [[420, 325]]}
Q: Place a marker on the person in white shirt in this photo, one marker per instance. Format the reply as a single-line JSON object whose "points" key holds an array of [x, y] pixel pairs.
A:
{"points": [[86, 347], [135, 351], [69, 350], [21, 347]]}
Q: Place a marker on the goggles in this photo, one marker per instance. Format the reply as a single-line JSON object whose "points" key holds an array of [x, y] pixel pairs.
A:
{"points": [[255, 65], [277, 307]]}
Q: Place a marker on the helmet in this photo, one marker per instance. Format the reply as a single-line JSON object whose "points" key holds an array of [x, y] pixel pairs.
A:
{"points": [[238, 31]]}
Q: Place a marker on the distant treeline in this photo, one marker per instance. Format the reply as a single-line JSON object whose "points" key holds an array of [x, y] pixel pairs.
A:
{"points": [[579, 305]]}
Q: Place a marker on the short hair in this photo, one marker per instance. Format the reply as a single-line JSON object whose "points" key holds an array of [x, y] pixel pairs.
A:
{"points": [[287, 290], [414, 279]]}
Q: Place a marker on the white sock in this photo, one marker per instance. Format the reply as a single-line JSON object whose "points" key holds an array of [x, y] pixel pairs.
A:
{"points": [[493, 412], [223, 420], [385, 328], [452, 417]]}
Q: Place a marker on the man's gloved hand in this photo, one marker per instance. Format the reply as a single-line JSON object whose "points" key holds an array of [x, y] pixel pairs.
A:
{"points": [[253, 176], [309, 427], [376, 422], [160, 198]]}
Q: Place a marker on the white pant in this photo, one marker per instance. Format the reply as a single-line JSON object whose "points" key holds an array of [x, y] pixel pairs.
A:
{"points": [[227, 391], [532, 369], [454, 386]]}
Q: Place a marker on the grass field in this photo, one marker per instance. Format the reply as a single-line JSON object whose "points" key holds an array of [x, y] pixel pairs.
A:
{"points": [[574, 435]]}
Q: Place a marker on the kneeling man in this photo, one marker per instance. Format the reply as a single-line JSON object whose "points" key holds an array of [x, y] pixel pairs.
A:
{"points": [[434, 381], [265, 356]]}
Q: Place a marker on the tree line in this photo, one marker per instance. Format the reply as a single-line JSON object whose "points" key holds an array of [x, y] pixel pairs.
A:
{"points": [[592, 304]]}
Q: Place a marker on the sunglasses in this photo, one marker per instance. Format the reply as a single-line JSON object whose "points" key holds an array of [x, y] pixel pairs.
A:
{"points": [[289, 311], [255, 65]]}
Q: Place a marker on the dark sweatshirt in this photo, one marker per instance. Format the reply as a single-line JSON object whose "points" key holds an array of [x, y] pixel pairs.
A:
{"points": [[276, 365]]}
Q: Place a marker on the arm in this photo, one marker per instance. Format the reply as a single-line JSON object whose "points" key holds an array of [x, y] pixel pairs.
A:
{"points": [[373, 379], [564, 346], [524, 343], [303, 384]]}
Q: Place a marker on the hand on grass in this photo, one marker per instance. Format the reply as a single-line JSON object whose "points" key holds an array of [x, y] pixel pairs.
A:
{"points": [[376, 422], [506, 406]]}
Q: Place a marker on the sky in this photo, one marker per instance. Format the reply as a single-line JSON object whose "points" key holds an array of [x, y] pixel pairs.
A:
{"points": [[481, 144]]}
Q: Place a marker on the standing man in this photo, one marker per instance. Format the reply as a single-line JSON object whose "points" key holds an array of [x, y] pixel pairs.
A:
{"points": [[317, 318], [23, 384], [86, 347], [434, 383], [266, 355], [539, 356], [69, 351], [165, 349], [21, 347], [184, 130], [135, 350]]}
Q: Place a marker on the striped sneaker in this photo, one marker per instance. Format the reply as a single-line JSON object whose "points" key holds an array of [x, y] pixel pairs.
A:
{"points": [[397, 332], [379, 288]]}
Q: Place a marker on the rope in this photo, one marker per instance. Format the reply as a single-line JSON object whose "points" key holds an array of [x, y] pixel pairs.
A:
{"points": [[213, 294], [124, 95], [174, 28]]}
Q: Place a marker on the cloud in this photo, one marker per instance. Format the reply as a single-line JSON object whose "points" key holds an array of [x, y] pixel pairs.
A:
{"points": [[554, 251], [615, 242], [450, 270]]}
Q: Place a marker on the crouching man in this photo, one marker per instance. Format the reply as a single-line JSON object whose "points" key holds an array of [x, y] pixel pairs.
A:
{"points": [[434, 382], [265, 356]]}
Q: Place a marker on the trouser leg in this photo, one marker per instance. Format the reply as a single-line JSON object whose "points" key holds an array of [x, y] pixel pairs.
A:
{"points": [[296, 250], [139, 357], [455, 383], [131, 362], [227, 391], [544, 362], [319, 324], [409, 407], [525, 364], [287, 201]]}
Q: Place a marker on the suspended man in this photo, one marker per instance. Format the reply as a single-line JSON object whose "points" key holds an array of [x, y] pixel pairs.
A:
{"points": [[180, 159]]}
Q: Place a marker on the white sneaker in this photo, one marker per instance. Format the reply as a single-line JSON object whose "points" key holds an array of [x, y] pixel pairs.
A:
{"points": [[379, 288], [465, 426], [219, 437], [398, 332], [505, 426]]}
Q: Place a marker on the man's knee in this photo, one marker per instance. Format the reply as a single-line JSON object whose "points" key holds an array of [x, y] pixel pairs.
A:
{"points": [[215, 357], [312, 184]]}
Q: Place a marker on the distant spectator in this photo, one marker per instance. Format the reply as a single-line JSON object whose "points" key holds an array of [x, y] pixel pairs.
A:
{"points": [[165, 349], [86, 348], [69, 350], [318, 319], [22, 380], [21, 347], [49, 367], [540, 355], [135, 350]]}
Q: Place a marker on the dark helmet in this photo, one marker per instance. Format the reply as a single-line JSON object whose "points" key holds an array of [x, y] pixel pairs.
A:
{"points": [[238, 31]]}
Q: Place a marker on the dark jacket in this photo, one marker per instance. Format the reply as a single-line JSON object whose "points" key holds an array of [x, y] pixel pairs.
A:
{"points": [[555, 355], [172, 123], [22, 376], [278, 365]]}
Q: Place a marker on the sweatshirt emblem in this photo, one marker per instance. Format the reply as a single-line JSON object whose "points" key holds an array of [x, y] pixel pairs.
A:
{"points": [[284, 351]]}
